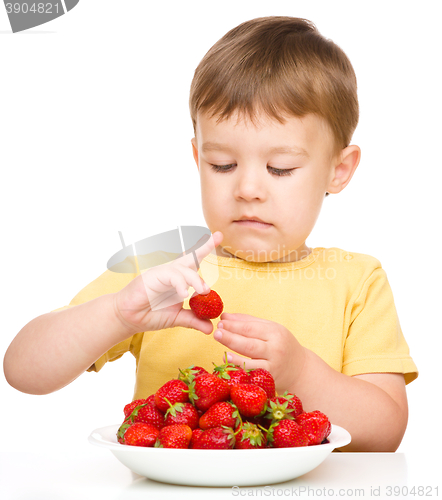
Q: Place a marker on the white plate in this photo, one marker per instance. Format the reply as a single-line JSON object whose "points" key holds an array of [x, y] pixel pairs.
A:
{"points": [[219, 467]]}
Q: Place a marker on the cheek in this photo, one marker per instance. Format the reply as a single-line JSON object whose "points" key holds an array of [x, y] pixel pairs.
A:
{"points": [[301, 204], [212, 196]]}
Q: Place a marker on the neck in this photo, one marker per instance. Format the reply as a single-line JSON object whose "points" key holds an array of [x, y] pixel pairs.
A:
{"points": [[295, 255]]}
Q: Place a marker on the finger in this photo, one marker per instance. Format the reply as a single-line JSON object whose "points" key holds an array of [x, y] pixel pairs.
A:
{"points": [[193, 279], [251, 329], [178, 282], [212, 243], [187, 319], [247, 363], [199, 243], [250, 347], [200, 253], [242, 317]]}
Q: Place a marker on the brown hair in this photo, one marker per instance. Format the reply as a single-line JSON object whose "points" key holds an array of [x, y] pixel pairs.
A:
{"points": [[279, 65]]}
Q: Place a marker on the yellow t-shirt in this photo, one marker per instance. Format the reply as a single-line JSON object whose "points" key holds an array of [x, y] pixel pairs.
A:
{"points": [[338, 304]]}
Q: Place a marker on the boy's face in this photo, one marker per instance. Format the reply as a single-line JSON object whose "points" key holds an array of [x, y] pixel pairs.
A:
{"points": [[277, 173]]}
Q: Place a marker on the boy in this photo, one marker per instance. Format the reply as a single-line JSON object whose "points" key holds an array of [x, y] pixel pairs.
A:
{"points": [[274, 107]]}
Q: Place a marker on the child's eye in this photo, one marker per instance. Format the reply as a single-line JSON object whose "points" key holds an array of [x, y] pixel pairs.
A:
{"points": [[222, 168], [281, 171], [275, 171]]}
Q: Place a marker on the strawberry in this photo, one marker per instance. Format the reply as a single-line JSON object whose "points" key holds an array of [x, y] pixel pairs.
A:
{"points": [[250, 436], [216, 438], [151, 400], [207, 389], [189, 374], [138, 434], [219, 414], [174, 391], [130, 407], [146, 413], [232, 374], [196, 433], [182, 413], [249, 399], [208, 306], [316, 425], [174, 436], [264, 379], [285, 406], [287, 434]]}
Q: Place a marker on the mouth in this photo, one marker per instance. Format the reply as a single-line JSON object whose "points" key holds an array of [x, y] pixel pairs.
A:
{"points": [[252, 222]]}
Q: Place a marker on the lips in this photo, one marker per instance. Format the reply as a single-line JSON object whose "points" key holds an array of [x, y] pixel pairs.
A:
{"points": [[252, 221]]}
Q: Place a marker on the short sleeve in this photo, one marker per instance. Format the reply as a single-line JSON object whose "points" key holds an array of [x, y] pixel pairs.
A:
{"points": [[375, 342], [107, 283], [132, 345]]}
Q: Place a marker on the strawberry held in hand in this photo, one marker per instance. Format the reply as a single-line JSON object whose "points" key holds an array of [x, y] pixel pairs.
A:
{"points": [[208, 306]]}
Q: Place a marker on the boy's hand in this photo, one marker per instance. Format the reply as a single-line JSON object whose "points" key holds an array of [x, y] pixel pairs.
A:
{"points": [[154, 300], [270, 345]]}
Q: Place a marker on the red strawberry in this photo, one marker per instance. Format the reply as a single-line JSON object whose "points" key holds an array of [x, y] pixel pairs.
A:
{"points": [[250, 436], [146, 413], [216, 438], [232, 374], [249, 399], [208, 306], [174, 436], [151, 399], [208, 389], [287, 434], [285, 406], [264, 379], [182, 413], [316, 425], [130, 407], [196, 433], [220, 414], [175, 391], [138, 434], [189, 374]]}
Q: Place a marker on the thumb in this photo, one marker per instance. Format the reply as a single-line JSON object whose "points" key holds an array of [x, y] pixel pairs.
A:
{"points": [[187, 319]]}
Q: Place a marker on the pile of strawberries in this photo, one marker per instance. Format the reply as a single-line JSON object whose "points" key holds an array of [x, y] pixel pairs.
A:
{"points": [[228, 408]]}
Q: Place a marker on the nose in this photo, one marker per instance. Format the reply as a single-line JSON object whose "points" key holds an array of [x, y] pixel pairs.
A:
{"points": [[250, 183]]}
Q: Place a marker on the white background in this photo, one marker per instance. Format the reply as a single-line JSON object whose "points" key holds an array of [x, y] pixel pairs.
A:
{"points": [[95, 139]]}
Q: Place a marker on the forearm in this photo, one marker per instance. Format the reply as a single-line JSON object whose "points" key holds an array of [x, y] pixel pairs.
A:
{"points": [[374, 419], [55, 348]]}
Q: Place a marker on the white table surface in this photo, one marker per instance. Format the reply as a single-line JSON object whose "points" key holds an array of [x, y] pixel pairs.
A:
{"points": [[94, 473]]}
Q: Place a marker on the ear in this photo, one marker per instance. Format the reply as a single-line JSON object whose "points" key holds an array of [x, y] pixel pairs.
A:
{"points": [[344, 169], [195, 152]]}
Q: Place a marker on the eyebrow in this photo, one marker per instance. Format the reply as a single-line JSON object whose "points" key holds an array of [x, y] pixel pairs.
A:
{"points": [[293, 151]]}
